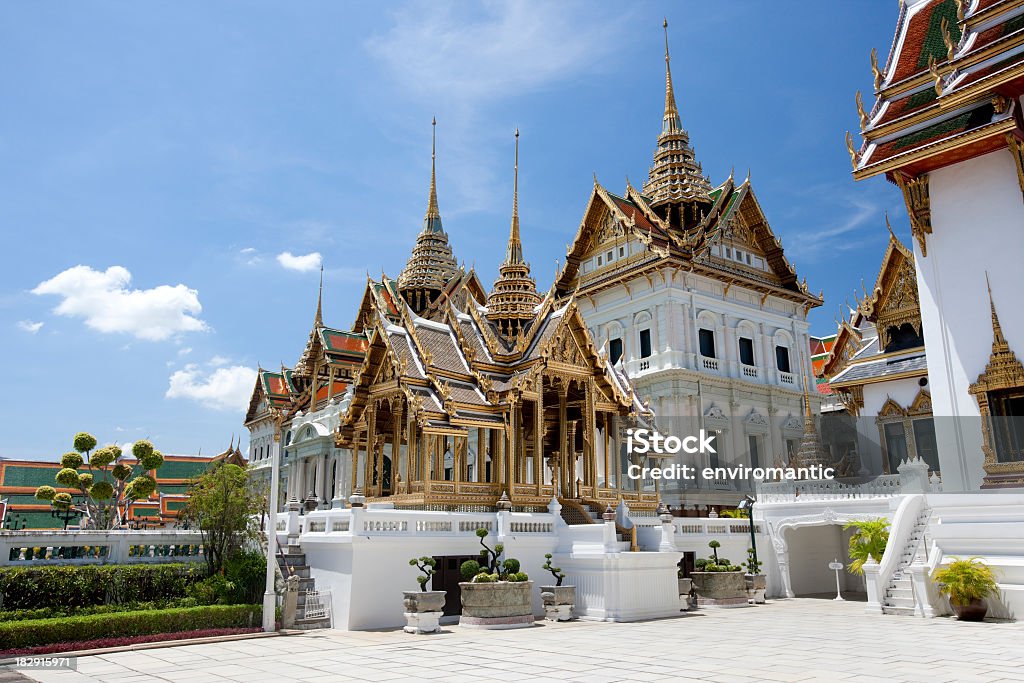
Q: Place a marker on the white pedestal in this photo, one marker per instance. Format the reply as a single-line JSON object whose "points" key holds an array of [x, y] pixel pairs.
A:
{"points": [[422, 622]]}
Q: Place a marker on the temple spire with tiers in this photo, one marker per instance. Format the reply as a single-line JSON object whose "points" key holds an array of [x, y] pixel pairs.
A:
{"points": [[432, 264], [512, 301], [676, 178]]}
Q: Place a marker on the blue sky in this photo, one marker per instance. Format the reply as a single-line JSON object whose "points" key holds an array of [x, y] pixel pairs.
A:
{"points": [[168, 171]]}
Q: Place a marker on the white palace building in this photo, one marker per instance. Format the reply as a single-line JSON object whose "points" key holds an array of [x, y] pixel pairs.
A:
{"points": [[445, 408]]}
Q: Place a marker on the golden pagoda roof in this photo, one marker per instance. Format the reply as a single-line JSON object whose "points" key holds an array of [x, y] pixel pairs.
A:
{"points": [[675, 175], [514, 298], [432, 263]]}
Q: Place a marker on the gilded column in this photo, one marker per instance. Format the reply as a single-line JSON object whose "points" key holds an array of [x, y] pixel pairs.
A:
{"points": [[538, 437], [563, 432]]}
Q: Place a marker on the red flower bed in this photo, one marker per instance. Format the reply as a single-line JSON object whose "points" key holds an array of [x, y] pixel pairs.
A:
{"points": [[119, 642]]}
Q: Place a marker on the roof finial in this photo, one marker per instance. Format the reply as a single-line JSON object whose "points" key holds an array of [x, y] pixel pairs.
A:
{"points": [[892, 234], [670, 122], [514, 254], [432, 221], [319, 319], [997, 331]]}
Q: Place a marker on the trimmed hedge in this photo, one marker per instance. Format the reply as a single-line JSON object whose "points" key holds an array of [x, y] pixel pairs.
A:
{"points": [[17, 634], [74, 586]]}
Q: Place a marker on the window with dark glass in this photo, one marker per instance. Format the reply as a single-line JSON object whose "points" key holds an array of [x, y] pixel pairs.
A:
{"points": [[924, 442], [895, 445], [755, 457], [615, 350], [645, 343], [782, 358], [746, 351], [707, 343], [1007, 424]]}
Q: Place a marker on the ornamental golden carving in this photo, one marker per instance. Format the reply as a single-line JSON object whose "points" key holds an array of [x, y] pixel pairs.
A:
{"points": [[915, 195], [1003, 375]]}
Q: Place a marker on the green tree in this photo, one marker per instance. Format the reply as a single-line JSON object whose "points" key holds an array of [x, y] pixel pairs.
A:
{"points": [[224, 505], [869, 539], [109, 484]]}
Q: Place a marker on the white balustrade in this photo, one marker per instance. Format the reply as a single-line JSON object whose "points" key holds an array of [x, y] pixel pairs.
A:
{"points": [[884, 486], [122, 546], [385, 522]]}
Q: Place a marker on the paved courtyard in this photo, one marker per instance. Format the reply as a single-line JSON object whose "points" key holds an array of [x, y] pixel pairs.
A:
{"points": [[790, 640]]}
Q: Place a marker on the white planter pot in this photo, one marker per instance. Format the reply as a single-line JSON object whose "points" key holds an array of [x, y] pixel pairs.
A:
{"points": [[558, 602], [423, 610]]}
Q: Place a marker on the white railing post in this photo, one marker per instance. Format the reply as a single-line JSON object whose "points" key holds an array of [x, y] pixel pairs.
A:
{"points": [[874, 586]]}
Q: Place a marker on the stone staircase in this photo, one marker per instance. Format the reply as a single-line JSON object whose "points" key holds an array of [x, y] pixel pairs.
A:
{"points": [[576, 512], [899, 595], [293, 562]]}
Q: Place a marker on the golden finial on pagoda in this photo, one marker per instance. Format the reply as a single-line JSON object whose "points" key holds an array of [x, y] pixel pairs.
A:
{"points": [[998, 340], [947, 38], [318, 320], [851, 150], [876, 72], [433, 212], [860, 111], [933, 69]]}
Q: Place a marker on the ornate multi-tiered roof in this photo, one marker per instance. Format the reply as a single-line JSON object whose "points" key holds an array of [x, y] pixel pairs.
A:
{"points": [[676, 179], [432, 265], [513, 301], [948, 93]]}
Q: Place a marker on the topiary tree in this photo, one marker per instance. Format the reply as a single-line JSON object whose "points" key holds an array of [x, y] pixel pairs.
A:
{"points": [[109, 484], [490, 568], [427, 565], [555, 571]]}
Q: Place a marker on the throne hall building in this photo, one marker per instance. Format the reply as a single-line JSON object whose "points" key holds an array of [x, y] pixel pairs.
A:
{"points": [[689, 290]]}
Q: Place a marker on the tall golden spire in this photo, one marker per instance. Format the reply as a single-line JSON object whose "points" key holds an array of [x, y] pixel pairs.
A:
{"points": [[511, 303], [318, 321], [675, 177], [671, 122], [514, 252], [998, 340], [432, 220], [432, 264]]}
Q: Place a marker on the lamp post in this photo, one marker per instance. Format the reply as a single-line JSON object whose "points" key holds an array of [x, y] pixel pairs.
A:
{"points": [[748, 504], [270, 594]]}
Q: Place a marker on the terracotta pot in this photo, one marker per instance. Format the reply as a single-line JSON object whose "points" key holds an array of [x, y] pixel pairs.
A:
{"points": [[975, 610]]}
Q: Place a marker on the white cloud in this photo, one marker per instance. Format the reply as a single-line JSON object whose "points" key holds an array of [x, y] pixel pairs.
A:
{"points": [[514, 47], [303, 263], [218, 361], [29, 326], [107, 304], [226, 388], [249, 250], [185, 351]]}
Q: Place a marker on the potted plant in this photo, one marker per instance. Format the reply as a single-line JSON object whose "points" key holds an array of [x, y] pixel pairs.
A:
{"points": [[423, 608], [495, 594], [558, 599], [755, 581], [868, 540], [967, 583], [718, 582]]}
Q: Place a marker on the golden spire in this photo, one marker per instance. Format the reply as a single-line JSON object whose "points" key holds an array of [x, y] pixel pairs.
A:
{"points": [[318, 321], [675, 176], [514, 253], [514, 295], [432, 264], [432, 221], [671, 122], [998, 340]]}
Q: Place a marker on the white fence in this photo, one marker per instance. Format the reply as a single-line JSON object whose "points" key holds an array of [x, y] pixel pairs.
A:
{"points": [[40, 548], [884, 486]]}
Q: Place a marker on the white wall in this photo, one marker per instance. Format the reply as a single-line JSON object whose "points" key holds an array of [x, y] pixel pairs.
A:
{"points": [[811, 549], [977, 218]]}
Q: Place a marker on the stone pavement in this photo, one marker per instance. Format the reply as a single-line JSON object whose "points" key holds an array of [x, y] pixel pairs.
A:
{"points": [[786, 640]]}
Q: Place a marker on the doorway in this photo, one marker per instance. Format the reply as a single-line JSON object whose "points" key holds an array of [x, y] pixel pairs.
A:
{"points": [[447, 578]]}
